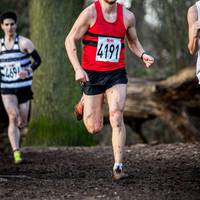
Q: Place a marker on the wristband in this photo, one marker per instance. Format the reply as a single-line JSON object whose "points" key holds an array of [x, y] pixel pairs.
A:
{"points": [[142, 55]]}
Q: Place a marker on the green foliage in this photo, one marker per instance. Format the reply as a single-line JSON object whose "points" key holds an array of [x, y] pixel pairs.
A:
{"points": [[54, 133]]}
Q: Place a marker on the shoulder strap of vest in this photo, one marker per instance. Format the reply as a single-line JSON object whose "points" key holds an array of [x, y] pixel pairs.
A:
{"points": [[17, 39], [98, 10], [16, 43], [2, 41], [120, 16]]}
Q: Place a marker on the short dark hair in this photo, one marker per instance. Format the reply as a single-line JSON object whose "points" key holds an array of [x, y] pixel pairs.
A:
{"points": [[8, 15]]}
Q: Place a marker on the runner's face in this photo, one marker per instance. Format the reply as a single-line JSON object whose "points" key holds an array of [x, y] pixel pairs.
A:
{"points": [[9, 27], [110, 1]]}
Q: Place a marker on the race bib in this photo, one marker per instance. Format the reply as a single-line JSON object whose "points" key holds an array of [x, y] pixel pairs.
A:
{"points": [[108, 49], [10, 71]]}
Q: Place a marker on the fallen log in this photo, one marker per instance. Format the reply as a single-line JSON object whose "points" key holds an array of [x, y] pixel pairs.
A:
{"points": [[171, 100]]}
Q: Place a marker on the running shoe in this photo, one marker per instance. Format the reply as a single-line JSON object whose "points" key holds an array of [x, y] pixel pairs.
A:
{"points": [[118, 174], [17, 157], [78, 110]]}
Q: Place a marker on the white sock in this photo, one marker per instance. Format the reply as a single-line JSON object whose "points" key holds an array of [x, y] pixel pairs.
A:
{"points": [[118, 165]]}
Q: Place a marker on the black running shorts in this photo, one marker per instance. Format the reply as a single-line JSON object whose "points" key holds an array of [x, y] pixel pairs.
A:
{"points": [[23, 94], [99, 82]]}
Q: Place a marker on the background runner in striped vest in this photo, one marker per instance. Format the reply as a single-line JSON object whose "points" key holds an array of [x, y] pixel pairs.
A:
{"points": [[18, 59]]}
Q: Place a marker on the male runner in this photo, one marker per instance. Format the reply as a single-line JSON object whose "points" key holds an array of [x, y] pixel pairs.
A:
{"points": [[193, 18], [102, 27], [16, 67]]}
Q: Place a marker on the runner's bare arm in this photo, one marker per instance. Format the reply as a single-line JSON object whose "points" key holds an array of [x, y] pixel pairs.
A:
{"points": [[132, 39], [131, 34], [79, 28], [193, 29], [27, 46]]}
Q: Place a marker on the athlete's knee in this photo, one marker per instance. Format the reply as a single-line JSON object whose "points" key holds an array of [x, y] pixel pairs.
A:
{"points": [[13, 116], [116, 118], [92, 123], [94, 128]]}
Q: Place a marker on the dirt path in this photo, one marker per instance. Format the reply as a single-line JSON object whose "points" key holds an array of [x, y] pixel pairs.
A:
{"points": [[161, 172]]}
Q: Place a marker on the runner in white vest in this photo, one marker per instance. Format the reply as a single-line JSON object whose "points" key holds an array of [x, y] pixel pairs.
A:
{"points": [[193, 18]]}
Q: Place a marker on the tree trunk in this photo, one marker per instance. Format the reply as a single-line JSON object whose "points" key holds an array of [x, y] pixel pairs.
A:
{"points": [[55, 90]]}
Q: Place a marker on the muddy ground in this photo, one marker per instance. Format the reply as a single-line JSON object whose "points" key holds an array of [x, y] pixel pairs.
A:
{"points": [[160, 172]]}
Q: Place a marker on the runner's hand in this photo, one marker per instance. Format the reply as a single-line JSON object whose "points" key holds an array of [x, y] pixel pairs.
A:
{"points": [[23, 74], [148, 60], [81, 75]]}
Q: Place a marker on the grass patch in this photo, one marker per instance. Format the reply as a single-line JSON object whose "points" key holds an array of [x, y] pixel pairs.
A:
{"points": [[45, 132]]}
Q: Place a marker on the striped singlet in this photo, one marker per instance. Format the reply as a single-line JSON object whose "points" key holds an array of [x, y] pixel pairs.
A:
{"points": [[12, 61]]}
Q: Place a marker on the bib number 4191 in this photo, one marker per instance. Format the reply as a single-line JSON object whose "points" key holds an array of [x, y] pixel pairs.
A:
{"points": [[108, 49]]}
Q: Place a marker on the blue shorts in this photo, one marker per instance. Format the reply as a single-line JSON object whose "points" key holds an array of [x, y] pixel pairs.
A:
{"points": [[99, 82]]}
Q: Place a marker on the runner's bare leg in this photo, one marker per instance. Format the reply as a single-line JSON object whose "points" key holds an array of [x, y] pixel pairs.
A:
{"points": [[23, 117], [93, 112], [116, 97], [11, 106]]}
